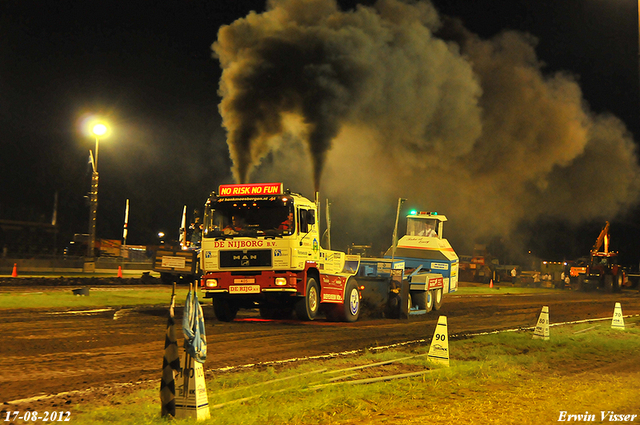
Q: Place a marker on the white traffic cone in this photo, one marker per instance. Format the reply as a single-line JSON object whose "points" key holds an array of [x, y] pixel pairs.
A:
{"points": [[618, 319], [542, 328], [439, 349]]}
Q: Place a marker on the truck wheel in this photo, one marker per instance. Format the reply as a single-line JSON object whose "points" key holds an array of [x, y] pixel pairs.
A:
{"points": [[608, 283], [582, 287], [351, 303], [307, 307], [224, 310], [437, 298], [429, 305], [618, 283], [409, 302]]}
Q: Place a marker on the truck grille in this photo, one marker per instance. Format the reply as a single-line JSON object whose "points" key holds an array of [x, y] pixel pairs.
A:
{"points": [[248, 258]]}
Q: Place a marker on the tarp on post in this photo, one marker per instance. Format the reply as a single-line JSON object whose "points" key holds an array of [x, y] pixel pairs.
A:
{"points": [[195, 340]]}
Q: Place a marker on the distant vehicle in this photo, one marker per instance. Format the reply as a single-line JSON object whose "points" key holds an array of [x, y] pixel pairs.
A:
{"points": [[415, 273], [178, 262], [601, 269]]}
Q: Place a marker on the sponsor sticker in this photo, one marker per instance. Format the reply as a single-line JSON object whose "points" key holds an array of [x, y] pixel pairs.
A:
{"points": [[331, 297], [437, 282], [439, 266]]}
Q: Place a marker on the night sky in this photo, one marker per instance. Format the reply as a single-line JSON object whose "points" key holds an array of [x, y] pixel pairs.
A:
{"points": [[148, 69]]}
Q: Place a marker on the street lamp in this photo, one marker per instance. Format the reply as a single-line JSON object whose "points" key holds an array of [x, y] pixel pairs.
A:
{"points": [[98, 130]]}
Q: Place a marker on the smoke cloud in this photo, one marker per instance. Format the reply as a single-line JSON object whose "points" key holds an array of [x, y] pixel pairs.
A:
{"points": [[378, 103]]}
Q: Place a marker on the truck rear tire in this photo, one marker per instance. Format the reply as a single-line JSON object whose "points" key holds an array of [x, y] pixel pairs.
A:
{"points": [[349, 310], [307, 307], [224, 310], [608, 283], [437, 298]]}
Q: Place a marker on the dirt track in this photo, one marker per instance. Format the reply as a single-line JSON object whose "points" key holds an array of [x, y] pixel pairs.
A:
{"points": [[51, 352]]}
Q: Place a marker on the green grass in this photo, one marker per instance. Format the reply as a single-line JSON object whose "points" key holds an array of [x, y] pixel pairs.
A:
{"points": [[506, 378], [98, 297]]}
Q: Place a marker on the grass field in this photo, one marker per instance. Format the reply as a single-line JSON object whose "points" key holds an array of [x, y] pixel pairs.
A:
{"points": [[98, 297], [506, 378]]}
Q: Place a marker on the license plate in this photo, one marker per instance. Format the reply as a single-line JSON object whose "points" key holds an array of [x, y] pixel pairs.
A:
{"points": [[240, 281], [244, 289]]}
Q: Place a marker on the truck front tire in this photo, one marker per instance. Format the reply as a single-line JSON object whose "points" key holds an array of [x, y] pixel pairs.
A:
{"points": [[224, 310], [307, 307]]}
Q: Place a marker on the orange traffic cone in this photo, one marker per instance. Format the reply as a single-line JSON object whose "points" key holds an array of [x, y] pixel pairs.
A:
{"points": [[119, 271], [491, 284], [14, 273]]}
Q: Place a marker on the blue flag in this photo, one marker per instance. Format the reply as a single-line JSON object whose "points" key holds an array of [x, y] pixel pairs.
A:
{"points": [[195, 340]]}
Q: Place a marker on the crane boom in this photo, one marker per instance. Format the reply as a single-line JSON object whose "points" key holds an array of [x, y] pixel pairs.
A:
{"points": [[603, 238]]}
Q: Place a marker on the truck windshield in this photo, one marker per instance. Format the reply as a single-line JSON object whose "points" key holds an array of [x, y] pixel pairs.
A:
{"points": [[422, 227], [238, 217]]}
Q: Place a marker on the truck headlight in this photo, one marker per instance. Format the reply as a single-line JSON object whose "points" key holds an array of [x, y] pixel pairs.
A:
{"points": [[281, 281], [211, 283]]}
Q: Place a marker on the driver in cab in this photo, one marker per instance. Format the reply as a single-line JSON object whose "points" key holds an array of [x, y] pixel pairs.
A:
{"points": [[428, 231], [233, 227], [287, 225]]}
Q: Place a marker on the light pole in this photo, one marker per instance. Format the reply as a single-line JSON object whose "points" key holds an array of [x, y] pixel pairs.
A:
{"points": [[98, 130]]}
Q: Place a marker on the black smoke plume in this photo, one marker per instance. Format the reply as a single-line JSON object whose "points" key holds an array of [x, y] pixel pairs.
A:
{"points": [[381, 104]]}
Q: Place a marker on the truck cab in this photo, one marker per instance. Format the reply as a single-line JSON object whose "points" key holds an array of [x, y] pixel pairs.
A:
{"points": [[424, 246], [261, 249]]}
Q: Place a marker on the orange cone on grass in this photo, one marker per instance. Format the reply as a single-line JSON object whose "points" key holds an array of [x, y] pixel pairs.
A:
{"points": [[119, 271], [491, 284], [14, 273]]}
